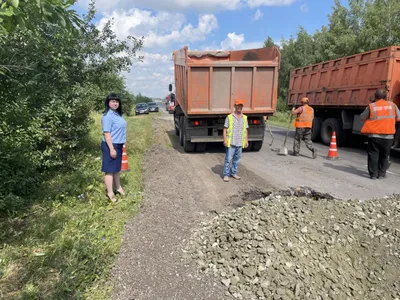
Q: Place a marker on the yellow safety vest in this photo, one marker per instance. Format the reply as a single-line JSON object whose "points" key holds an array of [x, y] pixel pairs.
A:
{"points": [[229, 130]]}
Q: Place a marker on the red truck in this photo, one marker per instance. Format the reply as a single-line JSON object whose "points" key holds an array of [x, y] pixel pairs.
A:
{"points": [[339, 90], [207, 84]]}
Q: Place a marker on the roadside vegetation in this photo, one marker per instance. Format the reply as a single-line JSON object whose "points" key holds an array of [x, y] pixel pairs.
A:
{"points": [[359, 26], [63, 246], [281, 119], [58, 233]]}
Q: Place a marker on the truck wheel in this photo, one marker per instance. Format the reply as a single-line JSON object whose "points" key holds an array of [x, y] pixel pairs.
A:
{"points": [[176, 120], [201, 147], [187, 145], [181, 130], [328, 127], [316, 129], [257, 145], [248, 149]]}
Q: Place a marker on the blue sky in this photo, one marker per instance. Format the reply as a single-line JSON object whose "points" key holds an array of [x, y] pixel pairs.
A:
{"points": [[202, 25]]}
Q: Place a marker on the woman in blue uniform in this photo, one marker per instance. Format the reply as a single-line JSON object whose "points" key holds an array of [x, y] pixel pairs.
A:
{"points": [[114, 137]]}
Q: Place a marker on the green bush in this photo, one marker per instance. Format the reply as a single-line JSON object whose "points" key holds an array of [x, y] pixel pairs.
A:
{"points": [[54, 77]]}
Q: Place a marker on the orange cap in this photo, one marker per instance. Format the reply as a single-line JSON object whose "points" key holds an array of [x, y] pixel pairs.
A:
{"points": [[304, 99], [239, 102]]}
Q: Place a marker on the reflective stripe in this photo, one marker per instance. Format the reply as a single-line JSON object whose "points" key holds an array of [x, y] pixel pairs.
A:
{"points": [[374, 110], [382, 118]]}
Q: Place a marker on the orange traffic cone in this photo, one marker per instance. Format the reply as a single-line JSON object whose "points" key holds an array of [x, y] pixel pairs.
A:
{"points": [[333, 153], [124, 163]]}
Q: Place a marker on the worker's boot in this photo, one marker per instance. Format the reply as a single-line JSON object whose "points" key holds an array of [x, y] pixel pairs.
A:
{"points": [[314, 153]]}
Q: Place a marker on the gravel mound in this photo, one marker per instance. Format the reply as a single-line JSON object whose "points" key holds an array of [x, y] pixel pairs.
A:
{"points": [[286, 246]]}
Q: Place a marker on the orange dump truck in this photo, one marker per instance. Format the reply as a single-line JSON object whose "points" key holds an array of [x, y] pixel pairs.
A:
{"points": [[207, 83], [340, 89]]}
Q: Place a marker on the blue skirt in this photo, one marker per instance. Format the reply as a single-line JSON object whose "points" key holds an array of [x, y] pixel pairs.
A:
{"points": [[110, 165]]}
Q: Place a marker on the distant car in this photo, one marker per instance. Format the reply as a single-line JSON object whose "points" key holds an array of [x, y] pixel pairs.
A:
{"points": [[153, 107], [141, 108]]}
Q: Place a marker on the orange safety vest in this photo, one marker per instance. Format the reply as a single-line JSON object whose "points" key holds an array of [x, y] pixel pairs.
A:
{"points": [[382, 118], [305, 119]]}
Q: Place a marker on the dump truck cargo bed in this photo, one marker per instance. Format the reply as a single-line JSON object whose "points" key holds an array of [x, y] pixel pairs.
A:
{"points": [[349, 81], [208, 82], [340, 89]]}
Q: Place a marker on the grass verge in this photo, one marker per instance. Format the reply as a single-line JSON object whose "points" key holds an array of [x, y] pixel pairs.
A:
{"points": [[281, 119], [64, 245]]}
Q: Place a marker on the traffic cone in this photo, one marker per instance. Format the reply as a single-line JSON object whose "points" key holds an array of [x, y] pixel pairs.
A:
{"points": [[124, 163], [333, 153]]}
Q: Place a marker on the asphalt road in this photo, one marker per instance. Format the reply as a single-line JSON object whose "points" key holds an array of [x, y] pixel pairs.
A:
{"points": [[345, 178]]}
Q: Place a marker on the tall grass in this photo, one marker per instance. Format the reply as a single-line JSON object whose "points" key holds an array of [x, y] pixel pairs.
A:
{"points": [[281, 119], [64, 245]]}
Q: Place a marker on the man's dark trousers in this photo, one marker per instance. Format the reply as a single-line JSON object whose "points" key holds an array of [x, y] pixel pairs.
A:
{"points": [[378, 156]]}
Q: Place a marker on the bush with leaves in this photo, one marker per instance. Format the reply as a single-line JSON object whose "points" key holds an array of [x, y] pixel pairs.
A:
{"points": [[54, 77]]}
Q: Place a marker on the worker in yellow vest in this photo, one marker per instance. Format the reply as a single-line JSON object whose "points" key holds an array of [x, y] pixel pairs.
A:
{"points": [[303, 124], [235, 139], [380, 125]]}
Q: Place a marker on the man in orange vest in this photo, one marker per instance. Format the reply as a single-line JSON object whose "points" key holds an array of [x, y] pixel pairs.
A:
{"points": [[380, 125], [303, 124]]}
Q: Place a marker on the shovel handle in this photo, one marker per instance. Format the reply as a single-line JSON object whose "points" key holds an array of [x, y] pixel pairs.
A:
{"points": [[287, 131], [270, 132]]}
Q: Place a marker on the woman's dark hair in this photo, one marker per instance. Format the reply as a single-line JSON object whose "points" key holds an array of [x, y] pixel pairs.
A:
{"points": [[113, 96]]}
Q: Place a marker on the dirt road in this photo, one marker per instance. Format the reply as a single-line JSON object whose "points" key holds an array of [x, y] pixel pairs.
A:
{"points": [[182, 190]]}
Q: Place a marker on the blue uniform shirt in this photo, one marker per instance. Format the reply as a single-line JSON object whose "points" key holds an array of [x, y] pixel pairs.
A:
{"points": [[113, 123]]}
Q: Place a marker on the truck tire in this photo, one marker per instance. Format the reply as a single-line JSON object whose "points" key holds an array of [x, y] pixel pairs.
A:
{"points": [[316, 129], [181, 130], [257, 145], [328, 127], [176, 119], [201, 147], [187, 145], [249, 148]]}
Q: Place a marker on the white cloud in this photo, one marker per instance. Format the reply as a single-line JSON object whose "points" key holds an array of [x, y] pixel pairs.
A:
{"points": [[162, 31], [189, 33], [304, 8], [170, 5], [257, 3], [152, 77], [258, 15], [165, 28], [104, 6], [153, 27], [235, 41]]}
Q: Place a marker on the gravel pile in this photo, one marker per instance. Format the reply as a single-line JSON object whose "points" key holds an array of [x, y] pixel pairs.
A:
{"points": [[285, 246]]}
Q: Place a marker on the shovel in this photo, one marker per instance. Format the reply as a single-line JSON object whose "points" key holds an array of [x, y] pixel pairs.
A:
{"points": [[270, 132], [283, 150]]}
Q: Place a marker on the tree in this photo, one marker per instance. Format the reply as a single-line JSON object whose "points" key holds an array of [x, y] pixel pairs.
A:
{"points": [[56, 77], [364, 25], [23, 14], [269, 42], [140, 99]]}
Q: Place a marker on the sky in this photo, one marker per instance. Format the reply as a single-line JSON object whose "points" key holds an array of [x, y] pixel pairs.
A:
{"points": [[169, 25]]}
